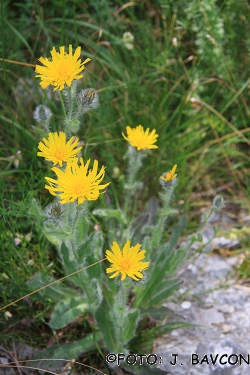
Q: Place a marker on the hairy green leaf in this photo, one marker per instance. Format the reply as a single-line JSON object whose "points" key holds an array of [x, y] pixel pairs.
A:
{"points": [[67, 310]]}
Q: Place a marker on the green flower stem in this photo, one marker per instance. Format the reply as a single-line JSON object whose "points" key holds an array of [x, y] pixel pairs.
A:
{"points": [[81, 276], [69, 119], [165, 212], [62, 104], [134, 208], [70, 221], [134, 163], [126, 204], [70, 111], [120, 305]]}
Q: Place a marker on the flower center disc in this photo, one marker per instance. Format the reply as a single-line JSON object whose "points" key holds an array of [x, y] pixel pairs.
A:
{"points": [[59, 154], [80, 188], [125, 264], [64, 73]]}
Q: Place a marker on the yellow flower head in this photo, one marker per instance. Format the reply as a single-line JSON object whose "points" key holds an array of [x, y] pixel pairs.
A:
{"points": [[170, 176], [141, 139], [57, 150], [77, 182], [127, 261], [61, 69]]}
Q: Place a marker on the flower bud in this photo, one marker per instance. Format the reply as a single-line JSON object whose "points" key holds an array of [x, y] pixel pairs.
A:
{"points": [[42, 114], [53, 212], [168, 179], [218, 202], [88, 99]]}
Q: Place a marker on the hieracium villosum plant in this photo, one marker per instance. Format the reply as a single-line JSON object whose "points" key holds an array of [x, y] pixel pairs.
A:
{"points": [[124, 285]]}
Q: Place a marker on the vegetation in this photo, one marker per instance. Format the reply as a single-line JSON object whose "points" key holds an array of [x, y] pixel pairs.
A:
{"points": [[185, 74]]}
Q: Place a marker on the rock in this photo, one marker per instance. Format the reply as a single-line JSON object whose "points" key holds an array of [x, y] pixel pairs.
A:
{"points": [[226, 328], [4, 370], [217, 344], [226, 309], [208, 317], [186, 305]]}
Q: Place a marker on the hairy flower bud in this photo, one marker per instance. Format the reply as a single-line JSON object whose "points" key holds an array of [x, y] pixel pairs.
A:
{"points": [[42, 114], [168, 179], [218, 202], [88, 99], [53, 212]]}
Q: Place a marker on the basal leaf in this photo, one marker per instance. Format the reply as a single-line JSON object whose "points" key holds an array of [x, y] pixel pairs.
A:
{"points": [[66, 311]]}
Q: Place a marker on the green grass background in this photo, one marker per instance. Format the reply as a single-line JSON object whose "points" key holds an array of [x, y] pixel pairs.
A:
{"points": [[195, 94]]}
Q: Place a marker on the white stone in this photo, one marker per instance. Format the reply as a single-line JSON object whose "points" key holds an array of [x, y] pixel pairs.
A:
{"points": [[186, 305]]}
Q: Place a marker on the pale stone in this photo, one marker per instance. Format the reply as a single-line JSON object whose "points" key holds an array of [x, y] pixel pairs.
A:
{"points": [[228, 309], [186, 305]]}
